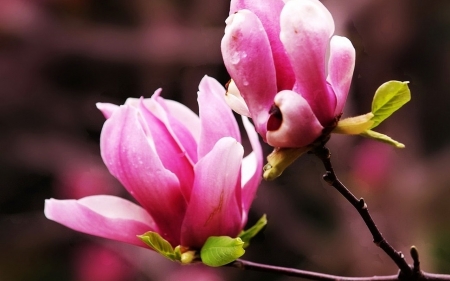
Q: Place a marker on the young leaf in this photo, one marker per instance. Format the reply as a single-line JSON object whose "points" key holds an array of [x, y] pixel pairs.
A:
{"points": [[354, 125], [159, 244], [388, 98], [383, 138], [220, 250], [248, 234], [280, 159]]}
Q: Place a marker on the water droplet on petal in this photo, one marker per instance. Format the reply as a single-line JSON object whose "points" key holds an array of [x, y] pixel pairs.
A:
{"points": [[235, 58]]}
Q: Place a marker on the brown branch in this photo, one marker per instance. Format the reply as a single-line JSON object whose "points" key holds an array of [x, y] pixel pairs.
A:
{"points": [[311, 275], [360, 205], [433, 276], [243, 264], [416, 263], [407, 272]]}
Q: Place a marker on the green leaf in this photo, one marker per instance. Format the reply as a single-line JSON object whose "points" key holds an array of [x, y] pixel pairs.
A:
{"points": [[354, 125], [177, 253], [280, 159], [383, 138], [248, 234], [221, 250], [388, 98], [160, 245]]}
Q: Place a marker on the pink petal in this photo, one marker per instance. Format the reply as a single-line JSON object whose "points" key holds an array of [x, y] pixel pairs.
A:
{"points": [[306, 27], [299, 126], [248, 58], [106, 108], [216, 119], [180, 133], [182, 123], [268, 12], [172, 156], [340, 69], [102, 215], [251, 170], [128, 153], [184, 115], [213, 210]]}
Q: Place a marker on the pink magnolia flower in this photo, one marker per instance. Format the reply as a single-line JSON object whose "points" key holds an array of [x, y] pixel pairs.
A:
{"points": [[292, 76], [187, 173]]}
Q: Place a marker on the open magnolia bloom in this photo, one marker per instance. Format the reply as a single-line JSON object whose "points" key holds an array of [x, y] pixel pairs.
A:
{"points": [[289, 73], [292, 77], [186, 172]]}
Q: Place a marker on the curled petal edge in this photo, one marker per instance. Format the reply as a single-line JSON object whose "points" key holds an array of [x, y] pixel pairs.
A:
{"points": [[299, 125]]}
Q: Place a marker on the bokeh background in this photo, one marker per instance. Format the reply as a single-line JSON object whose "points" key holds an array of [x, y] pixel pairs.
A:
{"points": [[59, 57]]}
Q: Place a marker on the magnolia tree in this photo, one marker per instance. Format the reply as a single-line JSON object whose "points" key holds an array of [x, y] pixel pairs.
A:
{"points": [[291, 76]]}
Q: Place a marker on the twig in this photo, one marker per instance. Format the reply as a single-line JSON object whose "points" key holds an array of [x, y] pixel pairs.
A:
{"points": [[330, 177], [407, 272], [311, 275], [416, 262], [243, 264], [433, 276]]}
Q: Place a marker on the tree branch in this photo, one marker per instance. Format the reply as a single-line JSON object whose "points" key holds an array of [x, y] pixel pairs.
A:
{"points": [[243, 264], [433, 276], [330, 177], [406, 273], [311, 275]]}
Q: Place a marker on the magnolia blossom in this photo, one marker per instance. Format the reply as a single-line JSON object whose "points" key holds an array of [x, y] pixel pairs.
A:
{"points": [[289, 74], [186, 172]]}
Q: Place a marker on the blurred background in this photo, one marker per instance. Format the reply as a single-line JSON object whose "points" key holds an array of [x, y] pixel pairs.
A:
{"points": [[59, 57]]}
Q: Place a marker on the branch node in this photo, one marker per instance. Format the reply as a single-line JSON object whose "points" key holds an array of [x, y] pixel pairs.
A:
{"points": [[328, 177], [238, 264], [322, 152], [378, 242], [362, 204]]}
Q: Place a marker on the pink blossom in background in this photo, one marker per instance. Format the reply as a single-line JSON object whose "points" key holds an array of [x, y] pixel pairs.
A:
{"points": [[195, 272], [371, 163], [187, 173], [18, 16], [289, 73], [80, 179], [94, 263]]}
